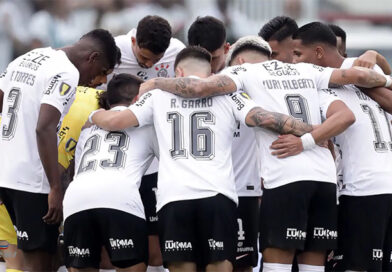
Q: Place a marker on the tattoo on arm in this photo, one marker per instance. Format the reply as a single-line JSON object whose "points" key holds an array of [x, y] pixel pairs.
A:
{"points": [[279, 122]]}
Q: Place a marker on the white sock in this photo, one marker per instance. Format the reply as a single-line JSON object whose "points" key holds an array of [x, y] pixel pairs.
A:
{"points": [[276, 267], [155, 268], [310, 268], [2, 266], [62, 269]]}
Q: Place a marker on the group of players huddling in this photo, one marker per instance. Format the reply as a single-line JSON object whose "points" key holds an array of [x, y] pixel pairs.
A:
{"points": [[275, 110]]}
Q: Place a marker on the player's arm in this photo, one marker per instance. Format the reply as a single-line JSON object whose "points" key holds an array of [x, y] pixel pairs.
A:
{"points": [[191, 87], [46, 132], [114, 120], [371, 58], [276, 122], [339, 118], [382, 96], [362, 77], [1, 101]]}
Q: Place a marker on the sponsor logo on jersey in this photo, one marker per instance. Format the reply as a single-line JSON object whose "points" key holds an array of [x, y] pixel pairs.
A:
{"points": [[78, 252], [3, 74], [22, 235], [215, 245], [319, 68], [377, 254], [293, 233], [244, 95], [142, 75], [238, 69], [52, 85], [143, 100], [64, 88], [171, 245], [238, 101], [120, 243], [322, 233], [329, 91], [162, 70]]}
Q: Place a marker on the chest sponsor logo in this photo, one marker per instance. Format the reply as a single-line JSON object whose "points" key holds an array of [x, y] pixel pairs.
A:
{"points": [[293, 233], [142, 75], [121, 243], [78, 252], [171, 245]]}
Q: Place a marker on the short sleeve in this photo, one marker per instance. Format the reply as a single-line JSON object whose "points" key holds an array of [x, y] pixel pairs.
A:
{"points": [[80, 145], [322, 75], [241, 104], [60, 90], [143, 108], [237, 74], [3, 80], [326, 97]]}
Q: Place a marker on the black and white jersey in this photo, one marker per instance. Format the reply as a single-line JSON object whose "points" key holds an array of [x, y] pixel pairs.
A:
{"points": [[366, 146], [292, 89], [41, 76], [109, 166], [195, 138]]}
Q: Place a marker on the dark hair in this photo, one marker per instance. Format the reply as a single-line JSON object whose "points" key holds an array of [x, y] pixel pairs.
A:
{"points": [[250, 47], [105, 41], [339, 32], [153, 33], [207, 32], [121, 88], [315, 32], [196, 52], [278, 28]]}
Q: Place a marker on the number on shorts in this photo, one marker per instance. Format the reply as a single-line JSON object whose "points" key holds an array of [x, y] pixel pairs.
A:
{"points": [[13, 99], [298, 107]]}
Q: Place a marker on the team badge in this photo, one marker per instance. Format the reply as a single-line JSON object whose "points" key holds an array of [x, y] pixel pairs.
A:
{"points": [[162, 70], [64, 88]]}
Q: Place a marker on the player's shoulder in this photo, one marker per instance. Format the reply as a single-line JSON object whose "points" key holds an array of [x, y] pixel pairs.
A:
{"points": [[172, 51], [124, 41]]}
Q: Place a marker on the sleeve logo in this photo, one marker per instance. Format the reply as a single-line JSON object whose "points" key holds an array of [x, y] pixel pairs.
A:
{"points": [[238, 69], [244, 95], [64, 88]]}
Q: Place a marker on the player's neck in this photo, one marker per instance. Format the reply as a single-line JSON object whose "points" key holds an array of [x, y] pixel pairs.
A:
{"points": [[334, 59]]}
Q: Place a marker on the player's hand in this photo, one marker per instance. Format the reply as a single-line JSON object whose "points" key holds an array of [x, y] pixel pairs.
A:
{"points": [[367, 60], [55, 203], [286, 146], [146, 87]]}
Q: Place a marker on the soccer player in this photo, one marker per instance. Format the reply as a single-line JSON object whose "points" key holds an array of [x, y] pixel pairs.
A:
{"points": [[210, 33], [341, 37], [288, 88], [37, 89], [278, 33], [149, 51], [365, 200], [196, 188], [109, 161]]}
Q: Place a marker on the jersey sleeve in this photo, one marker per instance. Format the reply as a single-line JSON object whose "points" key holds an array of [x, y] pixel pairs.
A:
{"points": [[237, 74], [326, 97], [322, 75], [60, 90], [241, 104], [80, 145], [143, 108]]}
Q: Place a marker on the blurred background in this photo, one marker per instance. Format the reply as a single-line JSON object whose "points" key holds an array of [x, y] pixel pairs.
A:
{"points": [[27, 24]]}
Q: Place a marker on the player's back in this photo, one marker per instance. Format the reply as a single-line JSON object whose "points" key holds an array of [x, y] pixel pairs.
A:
{"points": [[108, 169], [292, 90], [41, 76], [195, 139]]}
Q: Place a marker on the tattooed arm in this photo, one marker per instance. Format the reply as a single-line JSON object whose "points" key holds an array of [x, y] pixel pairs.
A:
{"points": [[276, 122], [191, 87], [362, 77]]}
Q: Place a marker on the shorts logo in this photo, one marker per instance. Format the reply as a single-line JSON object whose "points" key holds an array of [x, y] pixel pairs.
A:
{"points": [[377, 254], [22, 235], [215, 245], [120, 243], [325, 233], [390, 258], [153, 218], [171, 245], [293, 233], [64, 88], [78, 252]]}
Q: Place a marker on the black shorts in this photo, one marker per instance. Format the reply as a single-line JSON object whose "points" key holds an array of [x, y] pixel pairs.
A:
{"points": [[365, 233], [122, 234], [147, 191], [247, 232], [202, 230], [26, 211], [300, 215]]}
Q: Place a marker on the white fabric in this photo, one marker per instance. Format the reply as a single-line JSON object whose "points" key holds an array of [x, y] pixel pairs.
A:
{"points": [[163, 68], [201, 165], [2, 266], [276, 267], [310, 268], [42, 76], [272, 85], [155, 268], [365, 168], [114, 187]]}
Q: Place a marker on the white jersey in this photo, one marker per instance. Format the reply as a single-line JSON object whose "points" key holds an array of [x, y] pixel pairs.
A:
{"points": [[163, 68], [291, 89], [41, 76], [246, 162], [108, 170], [366, 146], [194, 138]]}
